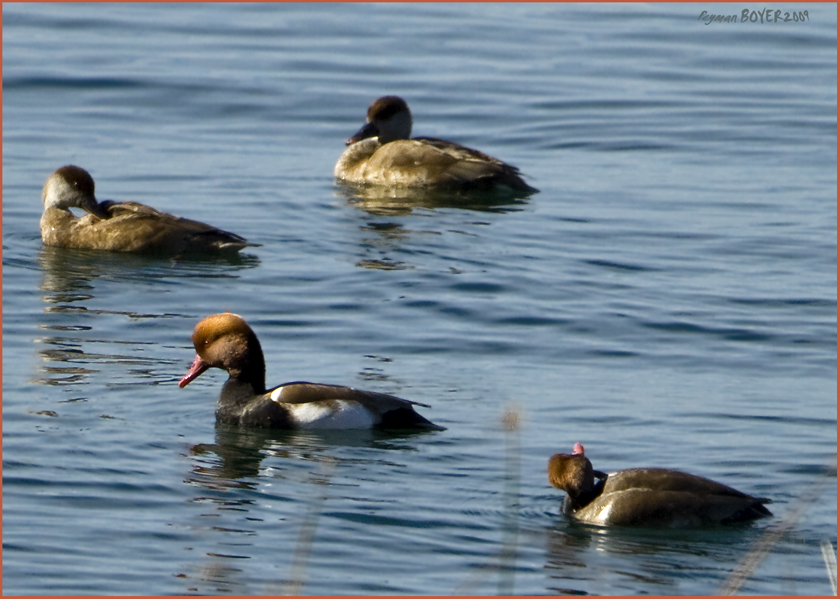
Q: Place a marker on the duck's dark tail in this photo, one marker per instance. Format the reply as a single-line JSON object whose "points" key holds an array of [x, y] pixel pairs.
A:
{"points": [[407, 418], [753, 511]]}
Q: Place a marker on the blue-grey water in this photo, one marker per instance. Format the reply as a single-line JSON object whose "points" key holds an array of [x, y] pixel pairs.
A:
{"points": [[667, 299]]}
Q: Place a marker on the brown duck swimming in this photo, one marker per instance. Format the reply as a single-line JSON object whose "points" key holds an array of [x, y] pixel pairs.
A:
{"points": [[647, 496], [226, 341], [121, 226], [382, 153]]}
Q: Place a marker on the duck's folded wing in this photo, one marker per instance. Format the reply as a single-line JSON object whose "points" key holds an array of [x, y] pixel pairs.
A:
{"points": [[153, 227], [459, 152], [467, 165], [663, 479], [303, 392], [133, 210], [455, 162], [112, 209]]}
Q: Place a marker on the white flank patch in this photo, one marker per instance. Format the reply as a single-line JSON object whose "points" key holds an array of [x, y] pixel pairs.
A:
{"points": [[275, 395], [604, 514], [336, 414]]}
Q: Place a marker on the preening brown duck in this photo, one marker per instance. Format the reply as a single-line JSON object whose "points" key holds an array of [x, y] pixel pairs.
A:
{"points": [[121, 226], [226, 341], [382, 152], [656, 497]]}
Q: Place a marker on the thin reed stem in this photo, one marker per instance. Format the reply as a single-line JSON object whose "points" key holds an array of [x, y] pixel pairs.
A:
{"points": [[297, 576], [830, 557], [774, 533], [510, 528]]}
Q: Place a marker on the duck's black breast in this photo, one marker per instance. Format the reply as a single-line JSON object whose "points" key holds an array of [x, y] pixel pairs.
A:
{"points": [[265, 413]]}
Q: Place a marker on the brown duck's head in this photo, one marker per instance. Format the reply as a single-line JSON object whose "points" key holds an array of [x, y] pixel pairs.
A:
{"points": [[71, 187], [226, 341], [388, 118], [571, 473]]}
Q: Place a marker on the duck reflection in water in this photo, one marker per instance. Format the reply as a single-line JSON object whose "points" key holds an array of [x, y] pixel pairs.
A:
{"points": [[402, 201], [69, 274], [236, 458], [382, 207], [234, 478]]}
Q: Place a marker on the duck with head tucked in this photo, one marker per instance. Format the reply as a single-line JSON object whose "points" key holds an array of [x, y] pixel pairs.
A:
{"points": [[121, 226], [226, 341], [382, 152], [653, 497]]}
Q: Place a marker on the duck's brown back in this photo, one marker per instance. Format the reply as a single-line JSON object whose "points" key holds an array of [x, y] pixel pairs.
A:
{"points": [[669, 498], [664, 479]]}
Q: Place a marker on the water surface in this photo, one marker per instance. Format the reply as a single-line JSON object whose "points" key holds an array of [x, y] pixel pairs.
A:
{"points": [[667, 299]]}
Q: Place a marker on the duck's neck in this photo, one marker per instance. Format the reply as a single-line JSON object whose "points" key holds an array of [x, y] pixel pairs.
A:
{"points": [[243, 386], [249, 369], [585, 496]]}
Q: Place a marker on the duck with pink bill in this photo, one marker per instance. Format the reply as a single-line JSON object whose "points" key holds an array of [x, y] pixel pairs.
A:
{"points": [[226, 341], [655, 497]]}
